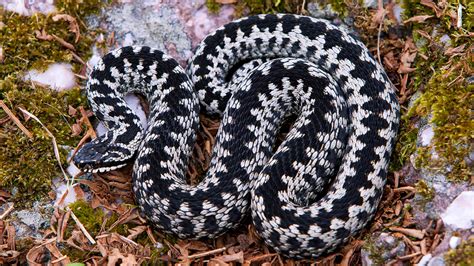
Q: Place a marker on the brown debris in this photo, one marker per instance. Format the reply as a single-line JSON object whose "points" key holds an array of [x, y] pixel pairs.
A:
{"points": [[418, 19], [73, 26], [15, 119]]}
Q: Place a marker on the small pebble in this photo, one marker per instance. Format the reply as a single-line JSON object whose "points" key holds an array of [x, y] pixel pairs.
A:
{"points": [[454, 241]]}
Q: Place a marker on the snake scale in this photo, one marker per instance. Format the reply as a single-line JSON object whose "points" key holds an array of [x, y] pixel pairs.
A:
{"points": [[307, 195]]}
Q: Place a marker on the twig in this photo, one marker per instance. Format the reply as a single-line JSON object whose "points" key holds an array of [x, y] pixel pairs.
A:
{"points": [[59, 259], [407, 231], [7, 211], [83, 229], [207, 253], [409, 256], [404, 189], [380, 5], [16, 120]]}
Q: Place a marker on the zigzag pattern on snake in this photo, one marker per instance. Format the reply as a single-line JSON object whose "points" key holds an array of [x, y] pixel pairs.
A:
{"points": [[306, 196]]}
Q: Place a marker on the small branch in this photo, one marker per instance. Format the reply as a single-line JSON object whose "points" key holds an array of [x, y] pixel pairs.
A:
{"points": [[380, 4], [55, 144], [7, 211], [409, 232], [407, 257], [207, 253], [16, 120]]}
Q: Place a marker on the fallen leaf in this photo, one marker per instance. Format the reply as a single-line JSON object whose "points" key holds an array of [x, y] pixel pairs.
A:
{"points": [[42, 35], [116, 258], [409, 232], [433, 6], [73, 26], [454, 51], [418, 19], [237, 257]]}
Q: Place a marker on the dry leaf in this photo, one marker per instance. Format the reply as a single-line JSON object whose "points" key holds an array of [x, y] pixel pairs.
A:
{"points": [[454, 51], [409, 232], [237, 257], [433, 6], [73, 26], [117, 257], [42, 35], [418, 19]]}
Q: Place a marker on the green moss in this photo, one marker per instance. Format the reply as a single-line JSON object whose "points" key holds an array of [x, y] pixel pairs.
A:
{"points": [[340, 6], [405, 146], [29, 165], [91, 218], [463, 255], [251, 7], [213, 6], [446, 97]]}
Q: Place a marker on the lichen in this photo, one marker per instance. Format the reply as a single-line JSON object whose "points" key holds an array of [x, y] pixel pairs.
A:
{"points": [[463, 255], [30, 165], [446, 93], [424, 190], [373, 251]]}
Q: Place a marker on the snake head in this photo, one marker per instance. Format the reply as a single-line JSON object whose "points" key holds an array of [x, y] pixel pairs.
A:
{"points": [[100, 155]]}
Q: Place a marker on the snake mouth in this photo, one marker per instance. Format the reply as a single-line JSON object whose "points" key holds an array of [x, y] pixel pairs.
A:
{"points": [[90, 166], [102, 169], [91, 159]]}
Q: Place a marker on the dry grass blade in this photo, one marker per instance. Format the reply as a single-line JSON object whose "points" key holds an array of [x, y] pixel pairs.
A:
{"points": [[207, 253], [16, 120], [55, 144], [7, 211], [81, 226], [409, 232]]}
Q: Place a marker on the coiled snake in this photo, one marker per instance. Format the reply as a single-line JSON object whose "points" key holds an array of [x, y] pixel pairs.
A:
{"points": [[306, 196]]}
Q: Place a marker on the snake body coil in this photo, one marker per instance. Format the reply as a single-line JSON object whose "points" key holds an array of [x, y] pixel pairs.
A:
{"points": [[319, 187]]}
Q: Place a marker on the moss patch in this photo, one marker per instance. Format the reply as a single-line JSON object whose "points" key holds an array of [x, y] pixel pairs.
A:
{"points": [[30, 165], [441, 75], [91, 218], [252, 7]]}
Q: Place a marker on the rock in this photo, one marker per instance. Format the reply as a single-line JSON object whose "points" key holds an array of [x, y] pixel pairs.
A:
{"points": [[149, 23], [460, 213], [426, 135], [370, 3], [29, 222], [28, 8], [425, 259], [454, 241], [397, 12], [58, 76], [436, 261], [321, 11]]}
